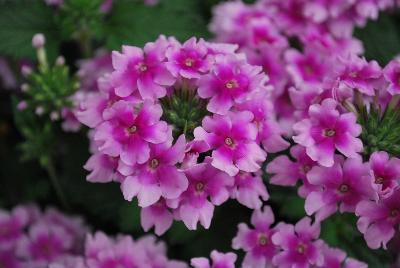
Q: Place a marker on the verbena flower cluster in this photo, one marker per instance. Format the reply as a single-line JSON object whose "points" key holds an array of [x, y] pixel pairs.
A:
{"points": [[182, 127], [31, 238], [339, 109], [287, 245]]}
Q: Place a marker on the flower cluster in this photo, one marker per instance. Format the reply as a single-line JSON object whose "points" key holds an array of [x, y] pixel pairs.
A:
{"points": [[286, 245], [340, 110], [30, 238], [182, 127]]}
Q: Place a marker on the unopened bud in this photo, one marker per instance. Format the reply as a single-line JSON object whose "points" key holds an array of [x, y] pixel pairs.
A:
{"points": [[26, 70], [22, 105], [60, 60], [39, 110], [38, 40]]}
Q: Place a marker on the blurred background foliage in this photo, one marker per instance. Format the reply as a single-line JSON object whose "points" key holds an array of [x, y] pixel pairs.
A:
{"points": [[73, 32]]}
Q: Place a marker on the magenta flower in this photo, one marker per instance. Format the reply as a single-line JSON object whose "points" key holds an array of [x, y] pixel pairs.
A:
{"points": [[269, 131], [103, 168], [141, 72], [219, 260], [263, 33], [336, 258], [287, 172], [305, 69], [230, 81], [208, 187], [392, 75], [385, 174], [379, 221], [8, 259], [158, 176], [44, 243], [91, 109], [11, 226], [358, 74], [233, 139], [102, 252], [257, 242], [299, 244], [326, 130], [188, 60], [157, 215], [342, 185], [249, 190], [127, 133]]}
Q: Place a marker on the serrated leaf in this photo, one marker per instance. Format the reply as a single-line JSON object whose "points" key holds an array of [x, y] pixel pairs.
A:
{"points": [[134, 23], [19, 21]]}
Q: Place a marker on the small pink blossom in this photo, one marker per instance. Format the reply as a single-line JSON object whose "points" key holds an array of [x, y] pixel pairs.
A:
{"points": [[11, 226], [188, 60], [326, 130], [299, 244], [230, 81], [157, 215], [208, 187], [379, 221], [141, 72], [232, 138], [385, 174], [249, 190], [392, 75], [219, 260], [342, 185], [158, 176], [128, 134], [358, 74], [257, 242]]}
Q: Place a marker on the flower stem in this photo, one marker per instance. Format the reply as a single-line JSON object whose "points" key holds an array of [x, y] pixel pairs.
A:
{"points": [[56, 184]]}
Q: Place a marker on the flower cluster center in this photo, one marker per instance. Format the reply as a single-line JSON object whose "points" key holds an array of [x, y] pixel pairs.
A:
{"points": [[132, 129], [199, 187], [262, 240], [142, 67], [344, 188], [379, 180], [301, 248], [228, 141], [231, 84], [329, 132], [189, 62], [154, 163]]}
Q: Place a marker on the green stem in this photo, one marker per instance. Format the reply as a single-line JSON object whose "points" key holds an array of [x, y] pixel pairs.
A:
{"points": [[56, 184]]}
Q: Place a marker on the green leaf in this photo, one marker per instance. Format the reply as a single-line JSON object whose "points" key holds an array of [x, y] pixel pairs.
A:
{"points": [[20, 20], [381, 38], [134, 23]]}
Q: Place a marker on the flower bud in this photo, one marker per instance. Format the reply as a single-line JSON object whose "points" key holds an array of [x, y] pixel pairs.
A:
{"points": [[38, 40]]}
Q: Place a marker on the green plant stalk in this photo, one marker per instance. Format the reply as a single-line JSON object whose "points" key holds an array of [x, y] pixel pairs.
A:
{"points": [[56, 184]]}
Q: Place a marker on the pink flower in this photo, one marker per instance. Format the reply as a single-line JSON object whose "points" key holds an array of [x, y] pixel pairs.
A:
{"points": [[358, 74], [392, 75], [233, 139], [8, 259], [336, 258], [157, 215], [299, 244], [102, 167], [286, 172], [326, 130], [219, 260], [379, 221], [141, 71], [91, 109], [385, 173], [230, 81], [249, 190], [44, 243], [208, 187], [305, 69], [11, 226], [127, 133], [263, 33], [103, 252], [158, 176], [269, 131], [188, 60], [257, 242], [342, 185]]}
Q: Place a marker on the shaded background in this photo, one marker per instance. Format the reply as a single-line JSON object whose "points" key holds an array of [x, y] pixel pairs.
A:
{"points": [[103, 206]]}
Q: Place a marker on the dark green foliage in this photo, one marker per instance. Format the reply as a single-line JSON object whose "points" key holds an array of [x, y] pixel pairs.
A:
{"points": [[133, 23], [19, 21]]}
